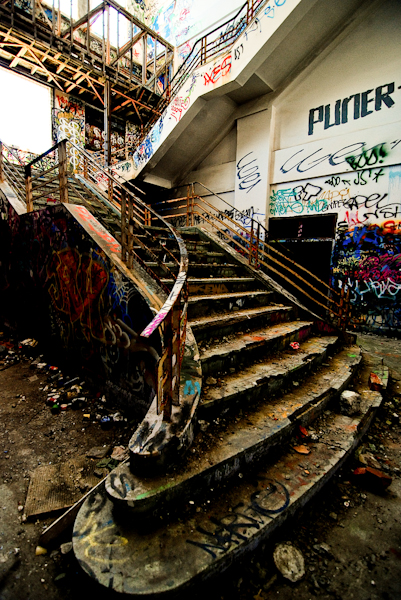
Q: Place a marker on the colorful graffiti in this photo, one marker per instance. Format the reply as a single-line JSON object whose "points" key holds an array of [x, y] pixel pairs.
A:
{"points": [[86, 308], [69, 122], [367, 251]]}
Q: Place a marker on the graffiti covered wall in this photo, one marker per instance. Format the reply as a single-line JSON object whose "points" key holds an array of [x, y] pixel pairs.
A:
{"points": [[68, 291]]}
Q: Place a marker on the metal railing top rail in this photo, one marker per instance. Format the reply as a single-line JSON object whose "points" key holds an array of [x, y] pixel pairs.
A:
{"points": [[259, 253], [199, 55], [38, 158], [254, 225], [12, 151]]}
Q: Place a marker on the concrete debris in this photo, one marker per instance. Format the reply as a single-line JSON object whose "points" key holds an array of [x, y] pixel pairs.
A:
{"points": [[373, 477], [289, 561], [350, 403], [66, 548], [98, 452]]}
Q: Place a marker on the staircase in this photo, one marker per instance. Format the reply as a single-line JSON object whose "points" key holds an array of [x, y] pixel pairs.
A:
{"points": [[269, 434], [80, 192], [253, 428]]}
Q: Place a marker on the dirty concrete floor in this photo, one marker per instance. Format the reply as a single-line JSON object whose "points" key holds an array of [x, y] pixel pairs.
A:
{"points": [[350, 535]]}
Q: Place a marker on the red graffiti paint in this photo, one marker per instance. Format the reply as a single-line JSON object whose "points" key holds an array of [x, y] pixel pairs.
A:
{"points": [[219, 71]]}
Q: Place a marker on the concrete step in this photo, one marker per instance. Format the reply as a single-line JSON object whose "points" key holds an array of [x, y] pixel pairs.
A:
{"points": [[230, 445], [216, 327], [201, 270], [212, 531], [268, 377], [200, 306], [230, 355], [219, 285]]}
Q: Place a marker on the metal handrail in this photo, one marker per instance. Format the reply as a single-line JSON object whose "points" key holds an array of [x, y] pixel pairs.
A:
{"points": [[259, 252], [201, 56]]}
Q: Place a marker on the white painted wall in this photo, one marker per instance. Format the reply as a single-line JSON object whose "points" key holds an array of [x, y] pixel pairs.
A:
{"points": [[367, 58], [328, 160]]}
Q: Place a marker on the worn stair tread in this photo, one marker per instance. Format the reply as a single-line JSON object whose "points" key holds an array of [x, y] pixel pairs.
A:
{"points": [[269, 369], [203, 280], [240, 315], [234, 295], [259, 337], [174, 556], [224, 450], [198, 265]]}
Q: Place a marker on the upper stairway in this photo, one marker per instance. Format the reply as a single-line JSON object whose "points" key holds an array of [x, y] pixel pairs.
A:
{"points": [[229, 75]]}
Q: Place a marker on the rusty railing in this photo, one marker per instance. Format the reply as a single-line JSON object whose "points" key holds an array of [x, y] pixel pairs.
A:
{"points": [[139, 222], [250, 238]]}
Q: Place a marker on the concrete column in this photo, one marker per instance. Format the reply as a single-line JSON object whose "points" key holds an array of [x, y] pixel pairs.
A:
{"points": [[253, 157], [107, 132]]}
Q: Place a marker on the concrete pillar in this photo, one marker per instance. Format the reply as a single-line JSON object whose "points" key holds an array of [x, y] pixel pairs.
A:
{"points": [[253, 158]]}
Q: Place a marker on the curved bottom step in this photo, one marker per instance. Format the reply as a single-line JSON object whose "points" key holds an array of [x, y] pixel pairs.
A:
{"points": [[160, 561]]}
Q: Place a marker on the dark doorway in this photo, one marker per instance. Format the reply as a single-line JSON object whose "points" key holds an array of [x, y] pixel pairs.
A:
{"points": [[308, 241]]}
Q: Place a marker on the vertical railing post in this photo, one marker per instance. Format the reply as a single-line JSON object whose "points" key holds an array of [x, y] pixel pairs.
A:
{"points": [[167, 373], [192, 205], [1, 163], [257, 245], [62, 171], [123, 226], [110, 189], [148, 218], [130, 245], [188, 205], [28, 189], [251, 245], [175, 354]]}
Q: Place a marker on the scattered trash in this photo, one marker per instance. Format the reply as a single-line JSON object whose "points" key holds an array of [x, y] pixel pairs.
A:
{"points": [[119, 453], [289, 561], [40, 551], [302, 449], [106, 422], [375, 383], [302, 432], [107, 463], [349, 402], [295, 345]]}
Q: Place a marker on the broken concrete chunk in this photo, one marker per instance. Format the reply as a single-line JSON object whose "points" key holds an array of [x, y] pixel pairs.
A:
{"points": [[66, 548], [373, 477], [289, 561], [98, 452], [349, 402]]}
